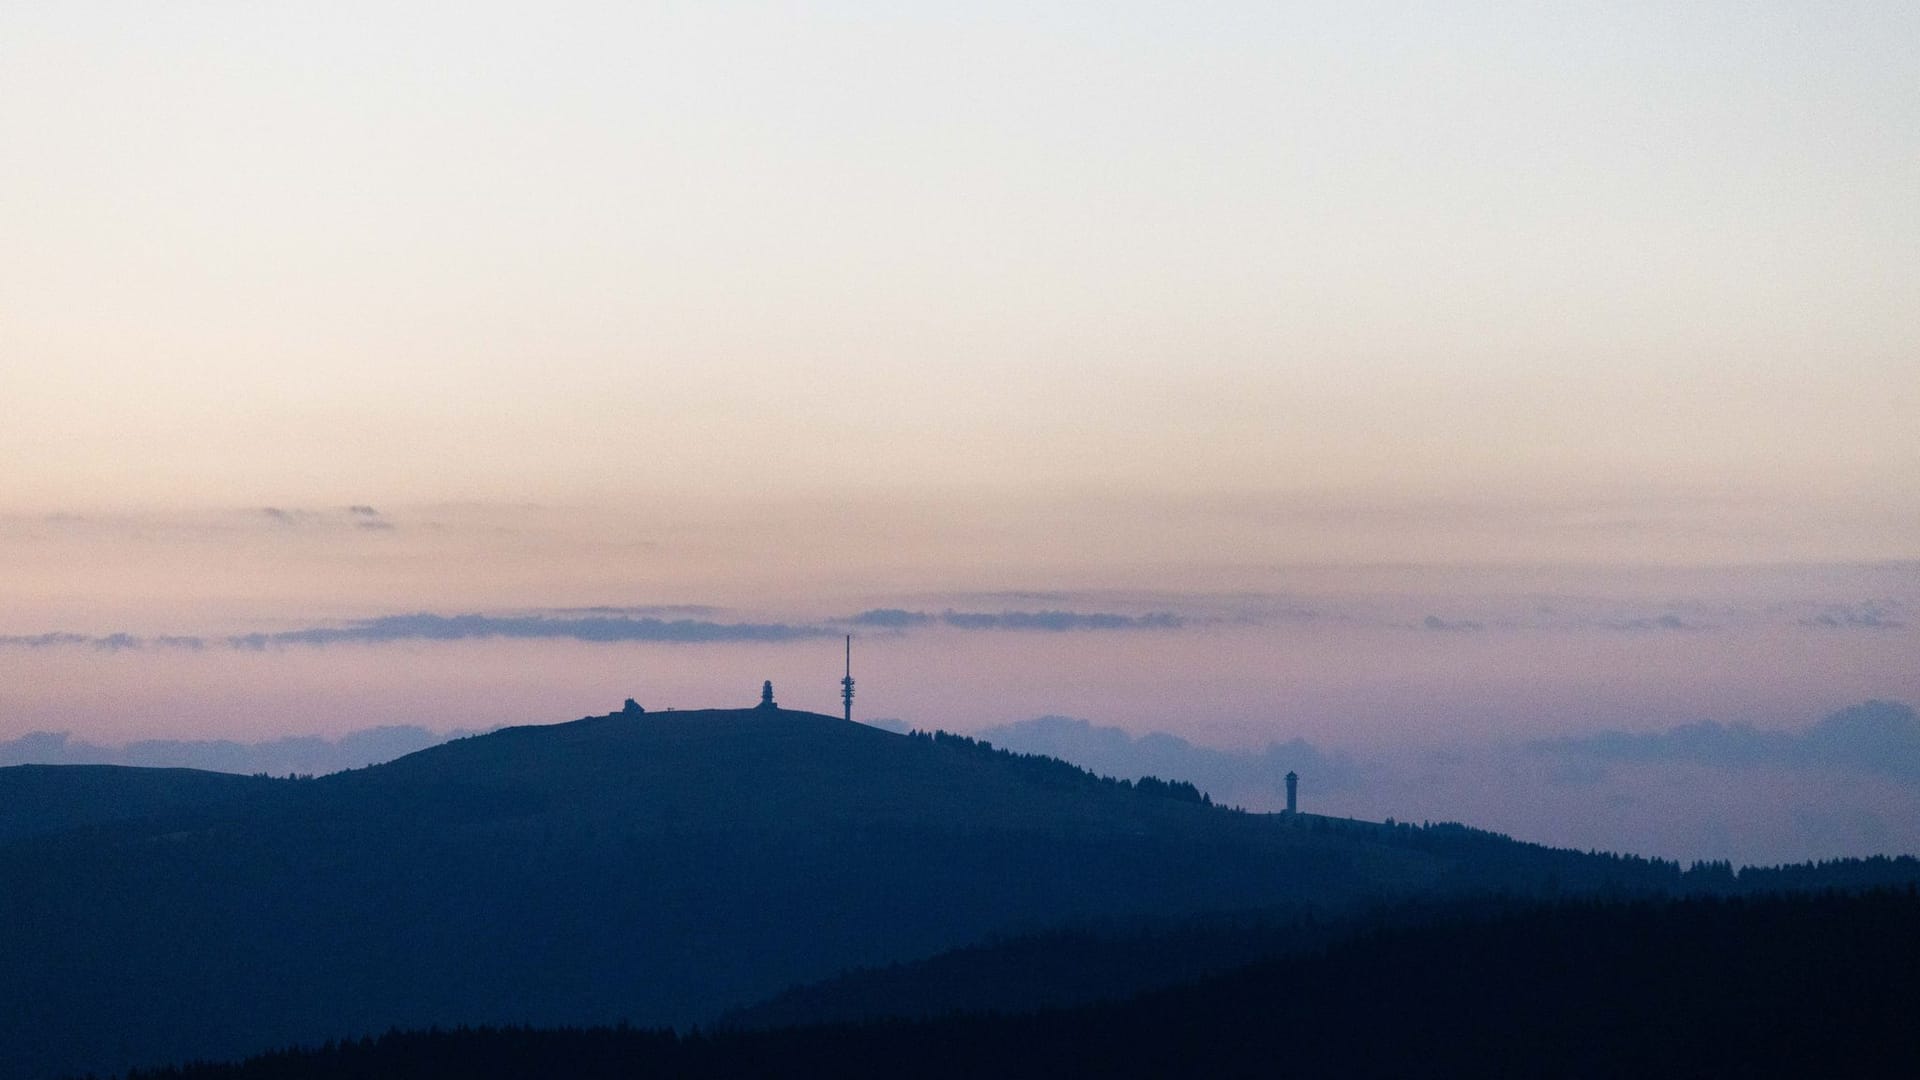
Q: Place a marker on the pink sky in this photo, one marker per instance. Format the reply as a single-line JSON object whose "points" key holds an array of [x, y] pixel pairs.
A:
{"points": [[1438, 373], [1362, 654]]}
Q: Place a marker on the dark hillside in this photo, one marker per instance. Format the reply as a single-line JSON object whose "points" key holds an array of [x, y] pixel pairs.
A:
{"points": [[1082, 965], [36, 799], [657, 868], [1053, 969], [1796, 986]]}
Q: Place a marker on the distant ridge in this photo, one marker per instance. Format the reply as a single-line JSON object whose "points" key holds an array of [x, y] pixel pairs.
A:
{"points": [[279, 756]]}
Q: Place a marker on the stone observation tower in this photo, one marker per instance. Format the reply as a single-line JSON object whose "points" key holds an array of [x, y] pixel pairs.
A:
{"points": [[766, 695], [1293, 792]]}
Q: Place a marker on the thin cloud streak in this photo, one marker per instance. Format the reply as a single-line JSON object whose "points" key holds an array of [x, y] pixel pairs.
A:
{"points": [[697, 623], [425, 626], [1654, 623], [118, 642], [602, 625], [1046, 621], [1859, 617], [1451, 626], [430, 627]]}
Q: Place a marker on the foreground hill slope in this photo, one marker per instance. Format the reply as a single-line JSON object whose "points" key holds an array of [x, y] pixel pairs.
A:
{"points": [[1771, 986], [1083, 965], [655, 868]]}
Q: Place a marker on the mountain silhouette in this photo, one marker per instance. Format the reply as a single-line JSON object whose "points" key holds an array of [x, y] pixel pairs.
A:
{"points": [[656, 868]]}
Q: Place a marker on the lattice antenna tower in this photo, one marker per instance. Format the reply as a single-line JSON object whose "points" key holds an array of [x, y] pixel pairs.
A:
{"points": [[846, 684]]}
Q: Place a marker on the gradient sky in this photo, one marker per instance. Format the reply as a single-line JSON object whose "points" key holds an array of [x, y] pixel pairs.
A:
{"points": [[1443, 371]]}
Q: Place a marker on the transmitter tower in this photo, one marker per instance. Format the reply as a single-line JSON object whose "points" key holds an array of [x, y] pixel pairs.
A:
{"points": [[846, 684]]}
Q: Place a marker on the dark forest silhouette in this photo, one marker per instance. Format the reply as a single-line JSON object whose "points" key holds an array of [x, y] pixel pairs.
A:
{"points": [[1802, 985], [658, 867]]}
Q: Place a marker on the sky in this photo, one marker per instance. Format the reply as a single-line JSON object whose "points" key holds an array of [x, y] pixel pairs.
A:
{"points": [[1384, 375]]}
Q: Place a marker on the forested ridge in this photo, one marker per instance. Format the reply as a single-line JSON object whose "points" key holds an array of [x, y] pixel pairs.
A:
{"points": [[1761, 985], [661, 868]]}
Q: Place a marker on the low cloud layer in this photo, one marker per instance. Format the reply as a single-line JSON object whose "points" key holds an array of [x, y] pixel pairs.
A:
{"points": [[1875, 736], [1255, 779], [1846, 785]]}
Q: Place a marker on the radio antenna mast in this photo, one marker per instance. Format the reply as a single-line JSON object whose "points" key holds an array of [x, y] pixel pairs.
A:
{"points": [[846, 684]]}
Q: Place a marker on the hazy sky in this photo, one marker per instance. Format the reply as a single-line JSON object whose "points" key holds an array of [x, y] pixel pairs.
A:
{"points": [[1390, 372]]}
